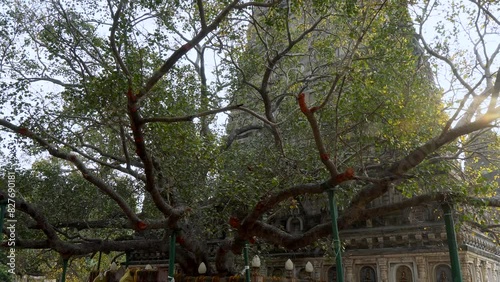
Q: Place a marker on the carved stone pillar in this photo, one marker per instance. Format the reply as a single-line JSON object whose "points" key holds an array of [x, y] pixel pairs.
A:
{"points": [[348, 270], [466, 267], [487, 271], [478, 273], [318, 266], [422, 269], [484, 271], [382, 264]]}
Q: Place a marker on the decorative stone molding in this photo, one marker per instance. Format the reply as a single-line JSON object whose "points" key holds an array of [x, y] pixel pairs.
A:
{"points": [[478, 240], [382, 264], [421, 269], [387, 237], [494, 270]]}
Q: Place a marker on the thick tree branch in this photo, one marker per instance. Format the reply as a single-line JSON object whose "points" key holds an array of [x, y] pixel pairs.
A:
{"points": [[418, 155], [258, 4], [89, 176], [238, 133], [137, 123], [274, 235], [53, 80], [263, 90], [323, 153], [97, 161], [268, 202], [445, 60], [112, 157], [486, 11], [125, 148], [414, 158], [201, 12], [112, 38], [85, 248], [191, 117], [172, 60], [41, 221], [120, 223]]}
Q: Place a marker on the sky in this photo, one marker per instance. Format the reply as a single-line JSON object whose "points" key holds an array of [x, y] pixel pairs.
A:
{"points": [[437, 20], [445, 18]]}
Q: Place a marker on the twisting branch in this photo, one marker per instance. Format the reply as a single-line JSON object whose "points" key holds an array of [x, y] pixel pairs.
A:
{"points": [[97, 161], [495, 93], [419, 154], [112, 38], [470, 90], [85, 248], [201, 12], [107, 155], [42, 222], [137, 123], [414, 158], [52, 80], [104, 224], [486, 11], [240, 133], [124, 147], [263, 90], [258, 4], [445, 60], [330, 93], [268, 202], [86, 173], [274, 235], [172, 60], [259, 117], [323, 153], [191, 117]]}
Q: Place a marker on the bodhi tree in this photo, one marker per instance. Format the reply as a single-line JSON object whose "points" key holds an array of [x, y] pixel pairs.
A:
{"points": [[141, 118]]}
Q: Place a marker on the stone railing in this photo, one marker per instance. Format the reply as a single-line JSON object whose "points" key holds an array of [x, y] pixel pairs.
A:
{"points": [[162, 276]]}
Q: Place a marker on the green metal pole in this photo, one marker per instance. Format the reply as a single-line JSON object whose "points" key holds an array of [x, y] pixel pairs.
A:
{"points": [[336, 239], [171, 257], [247, 265], [65, 266], [452, 242]]}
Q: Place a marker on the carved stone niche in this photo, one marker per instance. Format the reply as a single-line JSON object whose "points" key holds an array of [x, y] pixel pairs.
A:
{"points": [[418, 215], [404, 274], [368, 273], [442, 273], [295, 224]]}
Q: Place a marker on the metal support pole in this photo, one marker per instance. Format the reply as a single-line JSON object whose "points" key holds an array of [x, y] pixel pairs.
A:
{"points": [[99, 263], [247, 266], [65, 266], [336, 239], [452, 242], [127, 259], [171, 257]]}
